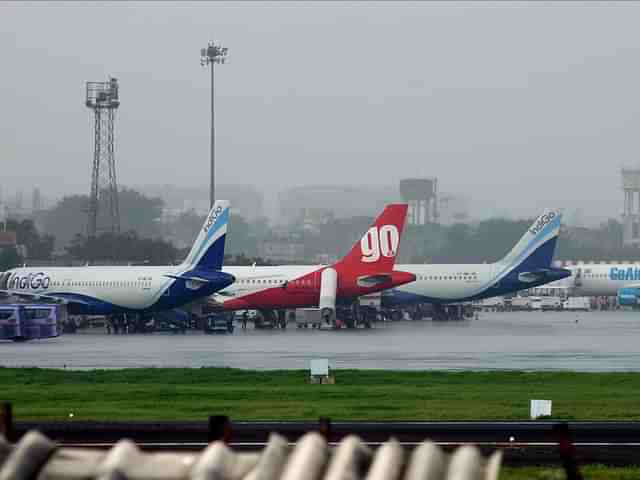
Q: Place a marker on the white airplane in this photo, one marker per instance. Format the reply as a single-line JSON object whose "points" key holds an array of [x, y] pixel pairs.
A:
{"points": [[605, 280], [528, 264], [108, 290]]}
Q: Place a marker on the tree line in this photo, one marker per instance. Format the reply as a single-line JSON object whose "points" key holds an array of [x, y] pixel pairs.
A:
{"points": [[144, 237]]}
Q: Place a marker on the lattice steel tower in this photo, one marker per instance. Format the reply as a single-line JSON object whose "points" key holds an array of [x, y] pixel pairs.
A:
{"points": [[102, 98]]}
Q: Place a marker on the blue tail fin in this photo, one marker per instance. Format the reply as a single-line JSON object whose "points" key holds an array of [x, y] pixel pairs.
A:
{"points": [[208, 249], [536, 247]]}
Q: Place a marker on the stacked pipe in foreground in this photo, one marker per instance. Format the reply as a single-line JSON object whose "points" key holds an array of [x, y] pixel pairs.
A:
{"points": [[35, 456]]}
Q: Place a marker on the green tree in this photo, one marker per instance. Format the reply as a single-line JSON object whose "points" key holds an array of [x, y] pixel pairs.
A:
{"points": [[240, 239], [39, 246], [9, 258], [125, 247], [69, 216]]}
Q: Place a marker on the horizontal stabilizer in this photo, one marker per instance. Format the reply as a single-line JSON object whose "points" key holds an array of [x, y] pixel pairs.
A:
{"points": [[376, 280], [196, 279], [368, 281], [200, 280], [546, 274]]}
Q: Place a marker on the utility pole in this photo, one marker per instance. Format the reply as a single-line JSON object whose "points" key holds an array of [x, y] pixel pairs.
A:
{"points": [[214, 53]]}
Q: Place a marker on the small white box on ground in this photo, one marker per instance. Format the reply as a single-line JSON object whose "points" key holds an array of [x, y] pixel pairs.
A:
{"points": [[320, 372], [540, 408], [320, 367]]}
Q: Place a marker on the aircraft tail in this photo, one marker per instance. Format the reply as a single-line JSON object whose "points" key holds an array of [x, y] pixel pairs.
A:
{"points": [[377, 250], [536, 247], [208, 250]]}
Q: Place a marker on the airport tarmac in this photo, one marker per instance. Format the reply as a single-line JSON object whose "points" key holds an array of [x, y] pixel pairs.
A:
{"points": [[588, 341]]}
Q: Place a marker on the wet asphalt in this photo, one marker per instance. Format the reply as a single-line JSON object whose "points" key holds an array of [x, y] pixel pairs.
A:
{"points": [[589, 341]]}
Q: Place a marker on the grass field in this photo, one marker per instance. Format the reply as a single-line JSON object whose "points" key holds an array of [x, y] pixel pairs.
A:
{"points": [[194, 394], [591, 472]]}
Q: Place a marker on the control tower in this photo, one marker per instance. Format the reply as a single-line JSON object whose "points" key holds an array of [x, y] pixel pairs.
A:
{"points": [[421, 194], [631, 215]]}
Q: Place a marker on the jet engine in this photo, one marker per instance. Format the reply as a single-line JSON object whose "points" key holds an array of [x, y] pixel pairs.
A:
{"points": [[328, 290]]}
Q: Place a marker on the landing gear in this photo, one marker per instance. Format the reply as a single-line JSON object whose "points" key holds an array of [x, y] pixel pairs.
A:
{"points": [[451, 312], [271, 319]]}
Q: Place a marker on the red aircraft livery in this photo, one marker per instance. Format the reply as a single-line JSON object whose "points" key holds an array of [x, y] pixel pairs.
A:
{"points": [[367, 268]]}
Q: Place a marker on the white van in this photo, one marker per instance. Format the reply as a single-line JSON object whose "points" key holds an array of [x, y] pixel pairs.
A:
{"points": [[551, 303], [577, 304], [535, 303]]}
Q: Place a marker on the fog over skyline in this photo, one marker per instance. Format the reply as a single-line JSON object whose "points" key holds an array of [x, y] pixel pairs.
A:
{"points": [[516, 106]]}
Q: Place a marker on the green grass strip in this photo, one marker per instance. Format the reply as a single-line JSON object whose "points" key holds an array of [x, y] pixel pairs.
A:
{"points": [[194, 394]]}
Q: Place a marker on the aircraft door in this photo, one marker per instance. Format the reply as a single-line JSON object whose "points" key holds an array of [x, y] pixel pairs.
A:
{"points": [[577, 280]]}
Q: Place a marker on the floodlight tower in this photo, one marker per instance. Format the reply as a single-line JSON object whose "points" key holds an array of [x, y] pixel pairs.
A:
{"points": [[102, 98], [214, 53]]}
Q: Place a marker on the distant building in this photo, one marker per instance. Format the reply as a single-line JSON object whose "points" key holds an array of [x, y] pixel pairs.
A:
{"points": [[325, 259], [631, 212], [316, 203], [10, 240], [246, 200], [281, 250], [421, 194], [453, 209]]}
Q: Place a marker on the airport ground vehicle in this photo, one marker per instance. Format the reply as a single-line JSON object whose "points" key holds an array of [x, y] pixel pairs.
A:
{"points": [[218, 323], [551, 303], [493, 303], [535, 303], [521, 303], [577, 304], [20, 322]]}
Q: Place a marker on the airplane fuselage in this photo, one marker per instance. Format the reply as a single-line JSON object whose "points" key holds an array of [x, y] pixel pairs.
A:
{"points": [[449, 283], [291, 286], [106, 290], [592, 280]]}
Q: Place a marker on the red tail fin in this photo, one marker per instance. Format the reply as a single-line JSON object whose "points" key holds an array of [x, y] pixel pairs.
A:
{"points": [[376, 251]]}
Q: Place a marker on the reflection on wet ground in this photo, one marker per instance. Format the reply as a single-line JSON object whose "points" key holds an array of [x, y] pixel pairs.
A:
{"points": [[591, 341]]}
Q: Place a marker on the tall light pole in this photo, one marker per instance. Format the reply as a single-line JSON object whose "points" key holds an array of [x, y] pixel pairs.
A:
{"points": [[214, 53]]}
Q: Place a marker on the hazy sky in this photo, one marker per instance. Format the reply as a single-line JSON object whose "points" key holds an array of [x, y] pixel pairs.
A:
{"points": [[518, 106]]}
